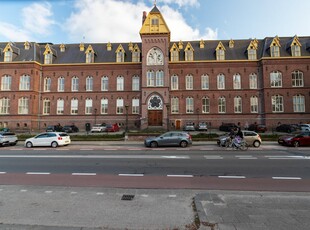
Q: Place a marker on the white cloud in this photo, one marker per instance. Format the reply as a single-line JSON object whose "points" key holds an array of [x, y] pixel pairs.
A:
{"points": [[37, 18], [121, 21], [181, 2], [12, 33]]}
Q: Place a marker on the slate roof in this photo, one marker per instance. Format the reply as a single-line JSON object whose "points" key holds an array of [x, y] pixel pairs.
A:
{"points": [[73, 54]]}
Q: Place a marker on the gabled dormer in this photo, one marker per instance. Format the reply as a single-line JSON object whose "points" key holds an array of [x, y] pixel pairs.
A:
{"points": [[220, 52], [136, 53], [275, 47], [180, 45], [49, 54], [231, 43], [27, 45], [174, 52], [82, 46], [189, 52], [62, 48], [202, 44], [120, 53], [252, 50], [10, 52], [109, 46], [295, 47], [130, 46], [90, 54]]}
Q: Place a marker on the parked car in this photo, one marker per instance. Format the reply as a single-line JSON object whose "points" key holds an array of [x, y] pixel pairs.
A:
{"points": [[304, 127], [54, 128], [4, 130], [257, 128], [251, 138], [98, 128], [227, 127], [53, 139], [189, 126], [112, 128], [202, 126], [299, 139], [70, 129], [8, 138], [286, 128], [172, 138]]}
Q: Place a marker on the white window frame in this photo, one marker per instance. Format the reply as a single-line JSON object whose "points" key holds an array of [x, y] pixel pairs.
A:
{"points": [[175, 105], [120, 83], [159, 78], [119, 106], [237, 104], [205, 105], [222, 104], [135, 108], [24, 83], [297, 78], [254, 104], [104, 105], [189, 105], [189, 82], [105, 83], [47, 84], [299, 103], [135, 83], [150, 75], [237, 81], [277, 104], [6, 82], [74, 108], [174, 82], [46, 106], [276, 79], [61, 84], [204, 81], [23, 105], [4, 105], [89, 83], [88, 106], [253, 81], [60, 106], [221, 81], [8, 56], [75, 84]]}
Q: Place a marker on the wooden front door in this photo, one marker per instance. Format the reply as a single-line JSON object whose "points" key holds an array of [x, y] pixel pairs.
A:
{"points": [[155, 118]]}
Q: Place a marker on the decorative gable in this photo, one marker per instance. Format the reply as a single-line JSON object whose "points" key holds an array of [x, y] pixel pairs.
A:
{"points": [[252, 50], [189, 52], [180, 45], [174, 52], [27, 45], [90, 54], [10, 52], [275, 47], [136, 53], [202, 44], [82, 47], [109, 46], [220, 52], [62, 47], [120, 53], [231, 43], [49, 54], [130, 46], [295, 47]]}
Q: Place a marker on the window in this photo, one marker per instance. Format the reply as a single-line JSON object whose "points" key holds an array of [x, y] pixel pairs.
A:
{"points": [[90, 57], [60, 106], [135, 106], [8, 56], [297, 79], [74, 106], [189, 105], [24, 83], [159, 78], [4, 105], [277, 103], [296, 50], [237, 81], [155, 21], [89, 83], [276, 79], [150, 78], [254, 104], [299, 103], [120, 83], [46, 106], [135, 83], [155, 57], [189, 54], [61, 84], [48, 58], [88, 106], [104, 105], [189, 82], [252, 54], [253, 81], [120, 56], [6, 82], [222, 105], [47, 84], [174, 105], [220, 54], [136, 56], [119, 106], [174, 82], [275, 51], [238, 104], [205, 81], [205, 105], [75, 84], [174, 55], [220, 81], [104, 83], [23, 105]]}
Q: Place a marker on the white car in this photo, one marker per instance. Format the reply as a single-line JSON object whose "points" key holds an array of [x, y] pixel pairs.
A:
{"points": [[252, 139], [53, 139], [98, 128], [305, 127]]}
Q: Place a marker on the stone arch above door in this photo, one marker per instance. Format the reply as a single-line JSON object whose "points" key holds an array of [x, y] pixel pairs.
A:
{"points": [[155, 102]]}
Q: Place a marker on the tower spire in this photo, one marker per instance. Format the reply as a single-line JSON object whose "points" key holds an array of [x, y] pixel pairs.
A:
{"points": [[154, 2]]}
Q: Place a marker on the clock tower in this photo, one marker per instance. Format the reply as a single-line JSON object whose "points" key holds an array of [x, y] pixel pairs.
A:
{"points": [[155, 100]]}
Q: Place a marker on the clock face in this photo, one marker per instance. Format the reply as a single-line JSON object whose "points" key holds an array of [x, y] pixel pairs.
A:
{"points": [[155, 57], [155, 102]]}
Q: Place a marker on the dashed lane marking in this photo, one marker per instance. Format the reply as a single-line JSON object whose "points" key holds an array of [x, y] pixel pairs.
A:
{"points": [[286, 178], [180, 176], [84, 174], [232, 177], [128, 174], [38, 173]]}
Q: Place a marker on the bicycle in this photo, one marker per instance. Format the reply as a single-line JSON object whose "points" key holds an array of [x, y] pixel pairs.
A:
{"points": [[236, 143]]}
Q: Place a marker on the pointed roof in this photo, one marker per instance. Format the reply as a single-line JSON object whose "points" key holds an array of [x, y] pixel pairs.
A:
{"points": [[154, 23]]}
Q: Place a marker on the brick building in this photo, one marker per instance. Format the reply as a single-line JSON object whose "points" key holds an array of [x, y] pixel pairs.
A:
{"points": [[156, 82]]}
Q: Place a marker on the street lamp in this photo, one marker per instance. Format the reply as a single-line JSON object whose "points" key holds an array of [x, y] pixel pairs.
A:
{"points": [[126, 107], [197, 110], [168, 110], [95, 110]]}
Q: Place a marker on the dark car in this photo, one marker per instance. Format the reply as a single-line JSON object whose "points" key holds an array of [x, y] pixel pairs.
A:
{"points": [[70, 129], [286, 128], [227, 127], [54, 128], [258, 128], [112, 128], [172, 138], [300, 139]]}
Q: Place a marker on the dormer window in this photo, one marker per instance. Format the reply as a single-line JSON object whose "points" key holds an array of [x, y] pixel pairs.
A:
{"points": [[220, 52], [252, 50], [120, 54], [48, 58], [275, 51], [8, 56], [174, 53], [189, 52], [90, 54], [10, 52], [154, 24], [136, 54], [27, 45], [62, 48], [295, 50]]}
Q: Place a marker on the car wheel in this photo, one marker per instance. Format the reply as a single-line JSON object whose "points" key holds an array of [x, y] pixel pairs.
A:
{"points": [[54, 144], [29, 144], [183, 144], [296, 144], [154, 144], [256, 144]]}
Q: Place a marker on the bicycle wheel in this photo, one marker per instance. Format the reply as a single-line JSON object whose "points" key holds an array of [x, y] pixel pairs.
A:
{"points": [[243, 146]]}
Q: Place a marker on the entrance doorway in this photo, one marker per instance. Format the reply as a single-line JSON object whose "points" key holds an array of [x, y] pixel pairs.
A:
{"points": [[155, 118]]}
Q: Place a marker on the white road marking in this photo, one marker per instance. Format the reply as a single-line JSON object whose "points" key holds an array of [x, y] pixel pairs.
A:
{"points": [[127, 174], [2, 172], [145, 195], [180, 176], [86, 149], [172, 196], [99, 193], [286, 178], [287, 157], [73, 193], [23, 190], [232, 177], [175, 157], [48, 192], [213, 157], [38, 173], [84, 174]]}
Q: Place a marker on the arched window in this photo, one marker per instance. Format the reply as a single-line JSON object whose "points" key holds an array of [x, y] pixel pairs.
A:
{"points": [[104, 83], [205, 81], [60, 106], [135, 83], [189, 105], [254, 104], [297, 78], [276, 79], [159, 78], [4, 105], [47, 84], [75, 84], [253, 81], [150, 78], [299, 103], [88, 106], [104, 105], [6, 82], [174, 105], [74, 106], [24, 82], [221, 81], [189, 82], [89, 83], [205, 105], [61, 84], [238, 104], [222, 105], [120, 83], [237, 81], [46, 106], [277, 103], [174, 82]]}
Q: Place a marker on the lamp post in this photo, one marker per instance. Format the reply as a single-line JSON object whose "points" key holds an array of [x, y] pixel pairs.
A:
{"points": [[126, 107], [168, 110], [95, 110], [197, 110]]}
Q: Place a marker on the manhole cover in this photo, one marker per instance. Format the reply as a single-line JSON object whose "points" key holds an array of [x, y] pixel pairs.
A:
{"points": [[127, 197]]}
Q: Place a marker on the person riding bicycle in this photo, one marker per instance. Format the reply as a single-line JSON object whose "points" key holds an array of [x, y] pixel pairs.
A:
{"points": [[238, 137]]}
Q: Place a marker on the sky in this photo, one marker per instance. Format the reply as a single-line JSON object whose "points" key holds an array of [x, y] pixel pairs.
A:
{"points": [[102, 21]]}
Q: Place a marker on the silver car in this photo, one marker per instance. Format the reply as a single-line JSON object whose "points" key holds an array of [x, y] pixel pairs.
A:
{"points": [[173, 138]]}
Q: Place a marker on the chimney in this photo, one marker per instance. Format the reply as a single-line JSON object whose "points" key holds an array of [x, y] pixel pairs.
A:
{"points": [[143, 17]]}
